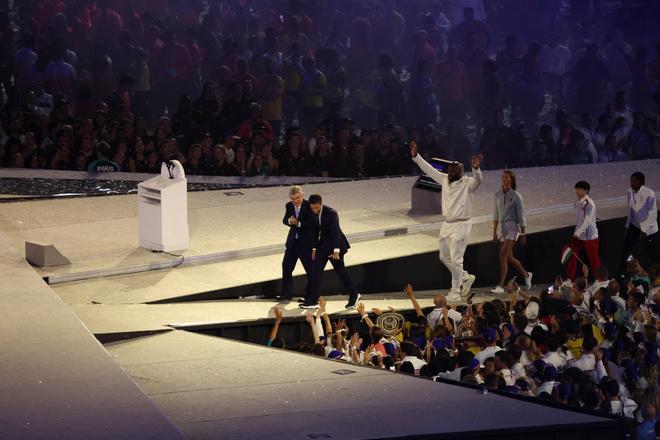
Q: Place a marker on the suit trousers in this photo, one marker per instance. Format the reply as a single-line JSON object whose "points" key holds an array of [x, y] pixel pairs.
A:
{"points": [[318, 265], [645, 249], [291, 256]]}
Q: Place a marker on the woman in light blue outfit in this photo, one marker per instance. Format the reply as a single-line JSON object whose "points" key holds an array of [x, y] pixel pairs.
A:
{"points": [[509, 228]]}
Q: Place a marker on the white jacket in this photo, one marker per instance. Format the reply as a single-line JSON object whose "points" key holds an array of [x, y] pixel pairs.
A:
{"points": [[456, 196], [643, 210], [585, 219]]}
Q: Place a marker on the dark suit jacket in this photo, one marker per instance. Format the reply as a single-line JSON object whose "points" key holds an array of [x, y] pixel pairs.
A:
{"points": [[330, 235], [308, 227]]}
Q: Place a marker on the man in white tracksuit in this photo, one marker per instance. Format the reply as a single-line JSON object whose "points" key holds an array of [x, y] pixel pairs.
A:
{"points": [[457, 191]]}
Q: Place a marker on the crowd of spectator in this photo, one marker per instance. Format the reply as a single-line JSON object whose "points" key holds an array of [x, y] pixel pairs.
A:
{"points": [[593, 345], [325, 87]]}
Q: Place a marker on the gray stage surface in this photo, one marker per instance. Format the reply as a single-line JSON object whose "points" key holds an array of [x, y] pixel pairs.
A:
{"points": [[56, 380], [215, 388]]}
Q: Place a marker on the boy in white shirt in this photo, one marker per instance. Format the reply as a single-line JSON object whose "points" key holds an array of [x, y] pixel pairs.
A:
{"points": [[585, 236]]}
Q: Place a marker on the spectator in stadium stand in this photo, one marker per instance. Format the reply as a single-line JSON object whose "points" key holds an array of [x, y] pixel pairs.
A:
{"points": [[82, 52], [450, 78]]}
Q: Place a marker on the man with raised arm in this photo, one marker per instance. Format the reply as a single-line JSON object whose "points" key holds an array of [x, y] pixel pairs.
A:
{"points": [[457, 190]]}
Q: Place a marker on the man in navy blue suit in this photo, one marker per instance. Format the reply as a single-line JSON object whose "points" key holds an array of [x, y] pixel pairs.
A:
{"points": [[302, 227], [331, 244]]}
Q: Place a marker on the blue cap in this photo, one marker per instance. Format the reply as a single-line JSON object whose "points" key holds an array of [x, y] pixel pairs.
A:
{"points": [[490, 334], [439, 344], [565, 391], [610, 330], [389, 348], [629, 369], [608, 307], [335, 354], [539, 365], [474, 364], [420, 341], [523, 385]]}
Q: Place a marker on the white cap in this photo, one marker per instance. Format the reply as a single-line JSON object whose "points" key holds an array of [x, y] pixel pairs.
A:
{"points": [[532, 310]]}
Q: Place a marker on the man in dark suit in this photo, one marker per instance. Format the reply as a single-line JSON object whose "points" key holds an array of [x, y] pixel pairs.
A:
{"points": [[302, 228], [331, 244]]}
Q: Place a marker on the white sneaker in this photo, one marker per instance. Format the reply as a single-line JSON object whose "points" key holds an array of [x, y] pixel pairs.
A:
{"points": [[497, 290], [453, 296], [466, 285], [528, 281]]}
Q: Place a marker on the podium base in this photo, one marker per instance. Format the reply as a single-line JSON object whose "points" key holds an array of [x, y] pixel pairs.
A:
{"points": [[169, 247], [424, 201]]}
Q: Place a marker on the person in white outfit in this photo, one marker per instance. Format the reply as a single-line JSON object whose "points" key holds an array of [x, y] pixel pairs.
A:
{"points": [[641, 223], [457, 191]]}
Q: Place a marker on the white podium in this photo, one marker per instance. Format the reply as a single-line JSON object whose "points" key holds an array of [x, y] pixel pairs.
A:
{"points": [[163, 210]]}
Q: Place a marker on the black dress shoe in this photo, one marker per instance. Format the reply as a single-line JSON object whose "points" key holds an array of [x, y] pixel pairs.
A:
{"points": [[301, 300], [353, 302], [308, 306]]}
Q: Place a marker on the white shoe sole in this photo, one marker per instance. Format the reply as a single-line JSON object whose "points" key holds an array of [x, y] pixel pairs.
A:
{"points": [[354, 306]]}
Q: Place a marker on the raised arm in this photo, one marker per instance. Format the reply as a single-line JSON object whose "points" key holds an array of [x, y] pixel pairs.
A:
{"points": [[426, 167], [445, 319], [312, 323], [411, 295], [477, 175], [365, 316], [323, 313], [276, 325]]}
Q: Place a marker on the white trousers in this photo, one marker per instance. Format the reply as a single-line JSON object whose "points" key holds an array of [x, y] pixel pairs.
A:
{"points": [[453, 241]]}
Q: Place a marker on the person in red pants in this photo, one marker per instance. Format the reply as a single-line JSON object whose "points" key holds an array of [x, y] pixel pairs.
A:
{"points": [[585, 236]]}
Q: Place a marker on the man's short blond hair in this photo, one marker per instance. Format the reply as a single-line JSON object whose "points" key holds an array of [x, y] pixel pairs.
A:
{"points": [[295, 189]]}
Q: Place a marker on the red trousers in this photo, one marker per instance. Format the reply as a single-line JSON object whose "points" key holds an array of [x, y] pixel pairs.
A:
{"points": [[590, 247]]}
